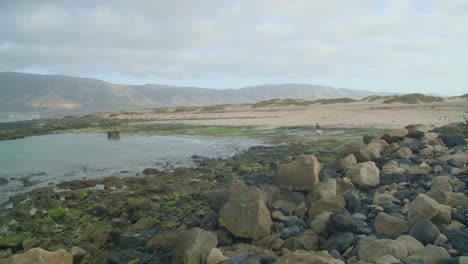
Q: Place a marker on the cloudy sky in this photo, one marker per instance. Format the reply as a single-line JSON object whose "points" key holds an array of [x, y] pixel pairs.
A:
{"points": [[397, 45]]}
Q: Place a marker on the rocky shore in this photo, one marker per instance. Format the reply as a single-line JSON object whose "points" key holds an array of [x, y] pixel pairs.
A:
{"points": [[400, 198]]}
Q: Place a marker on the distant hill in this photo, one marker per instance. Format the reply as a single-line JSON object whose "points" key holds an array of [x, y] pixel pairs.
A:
{"points": [[58, 94], [404, 99]]}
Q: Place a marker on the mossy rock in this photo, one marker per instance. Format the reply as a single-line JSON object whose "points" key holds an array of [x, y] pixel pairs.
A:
{"points": [[73, 216], [134, 202], [57, 214], [14, 241], [85, 219], [144, 224], [97, 233], [42, 226], [170, 224], [29, 243]]}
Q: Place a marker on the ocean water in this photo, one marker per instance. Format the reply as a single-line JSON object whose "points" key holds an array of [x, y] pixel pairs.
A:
{"points": [[62, 157], [15, 116]]}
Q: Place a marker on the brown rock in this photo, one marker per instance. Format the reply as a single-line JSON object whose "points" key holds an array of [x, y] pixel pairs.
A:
{"points": [[215, 257], [390, 225], [364, 175], [424, 207], [245, 214], [305, 241], [392, 148], [301, 174], [367, 153], [333, 204], [344, 163], [422, 169], [411, 243], [395, 135], [417, 130], [39, 255], [404, 153], [192, 243], [431, 254], [382, 247], [216, 198], [319, 222], [460, 157], [301, 256], [392, 167]]}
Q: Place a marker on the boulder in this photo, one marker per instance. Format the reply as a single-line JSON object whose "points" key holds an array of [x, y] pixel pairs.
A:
{"points": [[390, 225], [322, 190], [392, 167], [367, 153], [245, 214], [432, 254], [326, 204], [392, 148], [364, 175], [302, 256], [344, 163], [285, 207], [39, 255], [215, 257], [417, 130], [411, 243], [422, 169], [381, 247], [301, 174], [424, 207], [192, 243], [452, 141], [425, 231], [319, 222], [404, 153], [441, 183], [340, 242], [380, 144], [459, 157], [305, 241], [395, 135]]}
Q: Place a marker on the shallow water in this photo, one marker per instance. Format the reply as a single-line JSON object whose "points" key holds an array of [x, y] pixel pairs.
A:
{"points": [[16, 116], [55, 158]]}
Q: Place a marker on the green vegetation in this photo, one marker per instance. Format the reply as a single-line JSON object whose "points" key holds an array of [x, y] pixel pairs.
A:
{"points": [[214, 108], [344, 100], [282, 102], [413, 99]]}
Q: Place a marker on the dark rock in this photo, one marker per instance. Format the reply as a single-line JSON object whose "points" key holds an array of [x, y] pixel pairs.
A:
{"points": [[290, 232], [409, 194], [452, 141], [353, 204], [334, 253], [99, 210], [150, 171], [289, 221], [380, 162], [342, 223], [216, 198], [388, 179], [3, 181], [447, 261], [113, 259], [412, 261], [340, 242], [113, 135], [424, 231], [131, 240], [328, 174]]}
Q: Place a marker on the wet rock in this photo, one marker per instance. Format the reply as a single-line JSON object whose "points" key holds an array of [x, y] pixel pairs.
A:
{"points": [[191, 244], [404, 153], [245, 214], [364, 175], [305, 241], [216, 198], [390, 225], [131, 240], [395, 135], [432, 254], [411, 243], [353, 204], [425, 231], [39, 255], [340, 242], [113, 135], [302, 256], [3, 181], [452, 141], [344, 163], [301, 174], [97, 233], [422, 169], [382, 247]]}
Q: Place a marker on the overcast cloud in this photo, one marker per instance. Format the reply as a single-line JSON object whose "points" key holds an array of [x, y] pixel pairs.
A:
{"points": [[398, 45]]}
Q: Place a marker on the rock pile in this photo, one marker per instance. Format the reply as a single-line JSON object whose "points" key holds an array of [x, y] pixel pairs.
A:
{"points": [[398, 199]]}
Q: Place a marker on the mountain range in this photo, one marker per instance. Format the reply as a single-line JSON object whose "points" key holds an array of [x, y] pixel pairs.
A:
{"points": [[58, 94]]}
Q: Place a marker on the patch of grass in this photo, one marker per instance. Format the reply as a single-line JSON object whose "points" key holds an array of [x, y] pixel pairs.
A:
{"points": [[282, 102], [413, 99]]}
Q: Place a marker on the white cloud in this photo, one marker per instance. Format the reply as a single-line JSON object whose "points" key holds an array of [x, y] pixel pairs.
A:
{"points": [[238, 39]]}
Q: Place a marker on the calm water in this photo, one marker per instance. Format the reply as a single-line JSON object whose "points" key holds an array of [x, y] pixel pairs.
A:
{"points": [[15, 116], [55, 158]]}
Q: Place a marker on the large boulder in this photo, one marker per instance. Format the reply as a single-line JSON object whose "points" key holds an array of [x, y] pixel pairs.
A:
{"points": [[364, 175], [192, 243], [381, 247], [411, 243], [39, 255], [390, 225], [421, 169], [326, 204], [404, 153], [424, 207], [245, 214], [301, 174], [395, 135], [367, 153], [344, 163], [302, 256], [432, 254]]}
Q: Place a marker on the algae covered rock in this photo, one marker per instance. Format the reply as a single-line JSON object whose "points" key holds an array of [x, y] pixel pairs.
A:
{"points": [[39, 255], [192, 243], [245, 214], [97, 233], [301, 174]]}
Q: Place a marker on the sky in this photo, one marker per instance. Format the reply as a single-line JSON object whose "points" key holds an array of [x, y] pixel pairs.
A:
{"points": [[400, 46]]}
